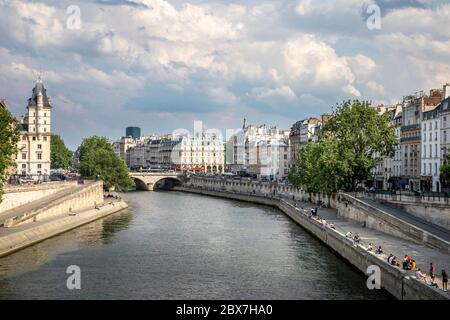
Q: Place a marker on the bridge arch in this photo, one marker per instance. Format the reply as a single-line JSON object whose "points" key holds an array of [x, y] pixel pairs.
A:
{"points": [[149, 182]]}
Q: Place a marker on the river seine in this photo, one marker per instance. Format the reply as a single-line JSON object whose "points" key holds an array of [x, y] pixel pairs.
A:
{"points": [[173, 245]]}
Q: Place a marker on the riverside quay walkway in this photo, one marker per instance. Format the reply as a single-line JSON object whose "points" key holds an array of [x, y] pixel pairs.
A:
{"points": [[329, 218], [422, 254], [432, 228]]}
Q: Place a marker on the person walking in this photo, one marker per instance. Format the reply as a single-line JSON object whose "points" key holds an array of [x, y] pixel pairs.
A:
{"points": [[444, 279]]}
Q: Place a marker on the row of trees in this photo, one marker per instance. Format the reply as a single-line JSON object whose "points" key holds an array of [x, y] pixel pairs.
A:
{"points": [[347, 149]]}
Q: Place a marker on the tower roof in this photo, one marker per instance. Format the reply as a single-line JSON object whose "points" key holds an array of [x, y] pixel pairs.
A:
{"points": [[39, 89]]}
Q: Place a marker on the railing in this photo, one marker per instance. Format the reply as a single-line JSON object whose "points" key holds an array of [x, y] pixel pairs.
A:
{"points": [[422, 195]]}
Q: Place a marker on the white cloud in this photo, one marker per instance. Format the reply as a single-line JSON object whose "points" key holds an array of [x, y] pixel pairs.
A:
{"points": [[283, 92], [310, 54]]}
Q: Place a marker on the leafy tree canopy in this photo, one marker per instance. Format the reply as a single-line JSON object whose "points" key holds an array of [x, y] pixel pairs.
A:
{"points": [[349, 146], [445, 170], [61, 156], [98, 161], [9, 137]]}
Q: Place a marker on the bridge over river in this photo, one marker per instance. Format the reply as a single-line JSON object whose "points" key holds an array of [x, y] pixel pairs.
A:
{"points": [[149, 181]]}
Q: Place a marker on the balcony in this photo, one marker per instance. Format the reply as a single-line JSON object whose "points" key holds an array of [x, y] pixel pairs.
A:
{"points": [[410, 139], [411, 127]]}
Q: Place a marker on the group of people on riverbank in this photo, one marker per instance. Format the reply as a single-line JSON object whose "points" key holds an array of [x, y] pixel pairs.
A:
{"points": [[408, 263]]}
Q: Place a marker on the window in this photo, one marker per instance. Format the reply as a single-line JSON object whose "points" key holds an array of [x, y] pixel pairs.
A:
{"points": [[435, 169], [39, 166], [429, 166], [39, 146], [435, 151], [24, 138], [24, 166], [431, 150], [24, 156], [39, 156], [45, 138]]}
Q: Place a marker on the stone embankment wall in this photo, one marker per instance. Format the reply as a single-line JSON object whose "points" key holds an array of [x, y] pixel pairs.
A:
{"points": [[16, 196], [346, 205], [393, 279], [24, 238], [83, 197], [432, 209]]}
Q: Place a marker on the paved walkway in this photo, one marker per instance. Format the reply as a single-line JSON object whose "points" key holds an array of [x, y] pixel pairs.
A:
{"points": [[432, 228], [423, 255], [23, 209]]}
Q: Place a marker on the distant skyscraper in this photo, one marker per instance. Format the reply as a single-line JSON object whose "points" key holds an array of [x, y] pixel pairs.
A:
{"points": [[134, 132]]}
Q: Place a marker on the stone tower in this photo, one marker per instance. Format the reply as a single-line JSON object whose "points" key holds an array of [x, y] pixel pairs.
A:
{"points": [[33, 158]]}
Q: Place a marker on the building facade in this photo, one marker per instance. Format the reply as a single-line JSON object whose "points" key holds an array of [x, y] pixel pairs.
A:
{"points": [[202, 151], [33, 158], [411, 135], [263, 151], [396, 181], [431, 149], [304, 131]]}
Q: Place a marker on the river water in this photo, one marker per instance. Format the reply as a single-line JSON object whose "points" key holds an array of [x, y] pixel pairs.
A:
{"points": [[172, 245]]}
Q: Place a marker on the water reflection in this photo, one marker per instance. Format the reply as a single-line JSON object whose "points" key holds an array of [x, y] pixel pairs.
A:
{"points": [[170, 245]]}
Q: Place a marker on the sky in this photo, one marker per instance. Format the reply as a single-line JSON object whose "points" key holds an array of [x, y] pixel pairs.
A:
{"points": [[163, 64]]}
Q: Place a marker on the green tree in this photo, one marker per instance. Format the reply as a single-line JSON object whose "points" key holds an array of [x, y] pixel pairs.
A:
{"points": [[9, 137], [98, 161], [61, 156], [349, 146], [445, 170]]}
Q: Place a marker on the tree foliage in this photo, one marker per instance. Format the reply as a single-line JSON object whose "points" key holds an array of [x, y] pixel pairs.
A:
{"points": [[61, 156], [98, 161], [349, 146], [9, 137], [445, 170]]}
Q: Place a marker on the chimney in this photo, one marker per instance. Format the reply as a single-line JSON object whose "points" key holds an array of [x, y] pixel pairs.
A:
{"points": [[446, 91]]}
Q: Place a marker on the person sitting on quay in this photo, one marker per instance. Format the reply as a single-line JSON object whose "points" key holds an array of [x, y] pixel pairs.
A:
{"points": [[370, 247], [432, 282], [356, 238], [413, 265], [420, 275], [332, 226], [379, 250], [389, 258], [349, 235], [407, 263], [393, 260]]}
